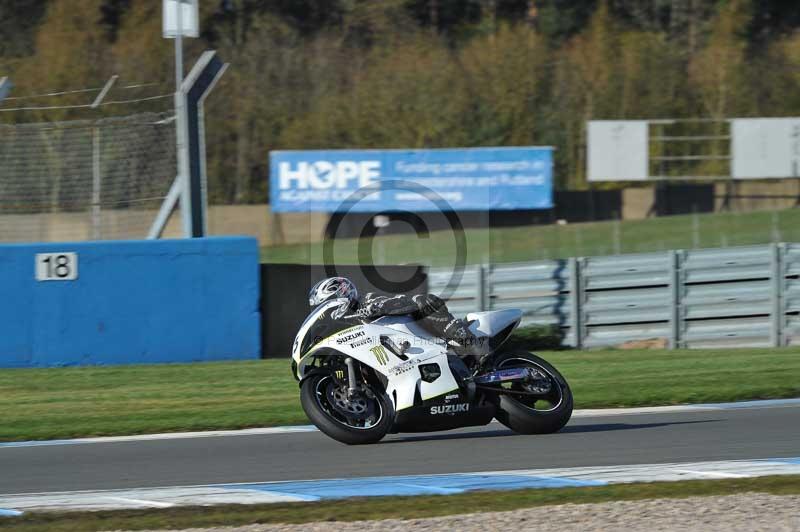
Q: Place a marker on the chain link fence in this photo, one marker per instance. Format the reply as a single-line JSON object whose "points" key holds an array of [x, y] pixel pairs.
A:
{"points": [[85, 179]]}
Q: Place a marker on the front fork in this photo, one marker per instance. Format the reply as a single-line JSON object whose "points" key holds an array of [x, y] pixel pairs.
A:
{"points": [[352, 385]]}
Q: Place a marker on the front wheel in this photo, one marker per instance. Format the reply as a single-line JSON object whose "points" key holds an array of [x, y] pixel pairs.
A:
{"points": [[364, 418], [542, 406]]}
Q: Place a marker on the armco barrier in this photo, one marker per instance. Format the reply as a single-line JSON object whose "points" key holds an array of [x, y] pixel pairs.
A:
{"points": [[130, 302], [728, 297]]}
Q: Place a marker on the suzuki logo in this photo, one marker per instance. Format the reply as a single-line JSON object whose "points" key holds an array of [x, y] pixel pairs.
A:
{"points": [[326, 174], [449, 409]]}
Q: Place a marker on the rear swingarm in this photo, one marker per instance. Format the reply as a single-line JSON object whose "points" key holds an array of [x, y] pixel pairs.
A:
{"points": [[532, 381]]}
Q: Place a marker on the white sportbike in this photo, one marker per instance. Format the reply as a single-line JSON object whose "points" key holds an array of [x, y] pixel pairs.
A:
{"points": [[388, 375]]}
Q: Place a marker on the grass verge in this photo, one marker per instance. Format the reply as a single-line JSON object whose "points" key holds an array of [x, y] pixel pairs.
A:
{"points": [[542, 242], [105, 401], [388, 507]]}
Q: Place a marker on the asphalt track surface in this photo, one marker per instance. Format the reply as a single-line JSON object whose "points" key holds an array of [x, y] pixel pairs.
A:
{"points": [[737, 434]]}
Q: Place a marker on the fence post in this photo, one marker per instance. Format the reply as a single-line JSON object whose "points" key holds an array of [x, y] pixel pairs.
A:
{"points": [[480, 272], [576, 300], [675, 296], [96, 180], [776, 277]]}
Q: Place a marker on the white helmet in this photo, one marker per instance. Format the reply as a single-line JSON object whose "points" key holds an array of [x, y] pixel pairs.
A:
{"points": [[333, 288]]}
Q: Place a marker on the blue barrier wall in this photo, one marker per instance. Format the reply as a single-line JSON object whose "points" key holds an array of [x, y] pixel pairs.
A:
{"points": [[133, 302]]}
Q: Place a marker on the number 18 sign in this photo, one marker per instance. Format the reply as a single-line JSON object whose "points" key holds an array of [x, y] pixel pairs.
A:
{"points": [[61, 266]]}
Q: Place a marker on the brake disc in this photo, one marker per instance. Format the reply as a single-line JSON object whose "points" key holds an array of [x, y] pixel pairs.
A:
{"points": [[358, 407], [539, 384]]}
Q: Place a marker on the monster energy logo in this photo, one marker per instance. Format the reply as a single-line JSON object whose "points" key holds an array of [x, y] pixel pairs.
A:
{"points": [[340, 374], [380, 354]]}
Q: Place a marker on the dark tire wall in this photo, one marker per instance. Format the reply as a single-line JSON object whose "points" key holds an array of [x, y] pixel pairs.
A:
{"points": [[336, 430], [522, 419]]}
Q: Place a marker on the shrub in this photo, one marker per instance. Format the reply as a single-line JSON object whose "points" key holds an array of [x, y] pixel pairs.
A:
{"points": [[536, 337]]}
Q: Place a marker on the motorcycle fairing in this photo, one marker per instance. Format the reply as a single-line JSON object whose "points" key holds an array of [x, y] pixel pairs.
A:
{"points": [[492, 322], [421, 418], [300, 340], [362, 342]]}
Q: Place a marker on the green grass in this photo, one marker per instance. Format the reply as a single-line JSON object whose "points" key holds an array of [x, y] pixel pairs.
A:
{"points": [[388, 507], [541, 242], [102, 401]]}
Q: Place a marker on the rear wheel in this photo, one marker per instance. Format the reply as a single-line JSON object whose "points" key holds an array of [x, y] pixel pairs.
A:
{"points": [[541, 406], [363, 418]]}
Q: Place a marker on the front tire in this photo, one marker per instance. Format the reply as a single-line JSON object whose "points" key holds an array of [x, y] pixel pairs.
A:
{"points": [[527, 414], [318, 397]]}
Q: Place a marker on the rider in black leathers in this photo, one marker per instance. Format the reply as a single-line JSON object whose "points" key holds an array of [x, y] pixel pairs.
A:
{"points": [[429, 310]]}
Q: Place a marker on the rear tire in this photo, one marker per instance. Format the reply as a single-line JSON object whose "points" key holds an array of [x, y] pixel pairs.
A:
{"points": [[519, 417], [314, 399]]}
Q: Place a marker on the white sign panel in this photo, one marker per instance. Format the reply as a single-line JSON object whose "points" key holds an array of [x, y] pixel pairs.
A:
{"points": [[765, 148], [618, 150], [186, 21], [59, 266]]}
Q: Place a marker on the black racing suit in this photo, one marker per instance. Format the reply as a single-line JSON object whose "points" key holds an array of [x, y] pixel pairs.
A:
{"points": [[430, 312]]}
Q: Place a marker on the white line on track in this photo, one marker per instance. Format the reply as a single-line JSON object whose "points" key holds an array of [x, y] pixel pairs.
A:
{"points": [[150, 504], [601, 412], [715, 474], [314, 490], [768, 403]]}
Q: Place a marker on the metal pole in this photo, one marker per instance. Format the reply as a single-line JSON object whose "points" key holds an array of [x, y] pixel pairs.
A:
{"points": [[107, 87], [202, 144], [201, 125], [96, 183], [576, 297], [776, 293], [96, 160], [182, 152], [160, 223], [179, 48], [675, 295], [480, 295], [180, 126]]}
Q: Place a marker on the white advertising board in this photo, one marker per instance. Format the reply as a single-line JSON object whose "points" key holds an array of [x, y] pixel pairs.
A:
{"points": [[765, 148], [618, 150]]}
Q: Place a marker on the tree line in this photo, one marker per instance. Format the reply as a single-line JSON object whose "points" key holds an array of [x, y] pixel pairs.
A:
{"points": [[309, 74]]}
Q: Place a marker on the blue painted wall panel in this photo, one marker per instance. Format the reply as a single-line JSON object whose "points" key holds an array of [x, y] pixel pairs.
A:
{"points": [[133, 302]]}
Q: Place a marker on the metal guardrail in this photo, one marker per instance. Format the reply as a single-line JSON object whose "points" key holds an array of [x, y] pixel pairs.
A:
{"points": [[740, 296]]}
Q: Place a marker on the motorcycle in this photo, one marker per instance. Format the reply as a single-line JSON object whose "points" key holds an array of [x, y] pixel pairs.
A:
{"points": [[389, 375]]}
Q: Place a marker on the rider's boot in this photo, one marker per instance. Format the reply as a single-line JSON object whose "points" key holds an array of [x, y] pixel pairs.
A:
{"points": [[471, 346]]}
